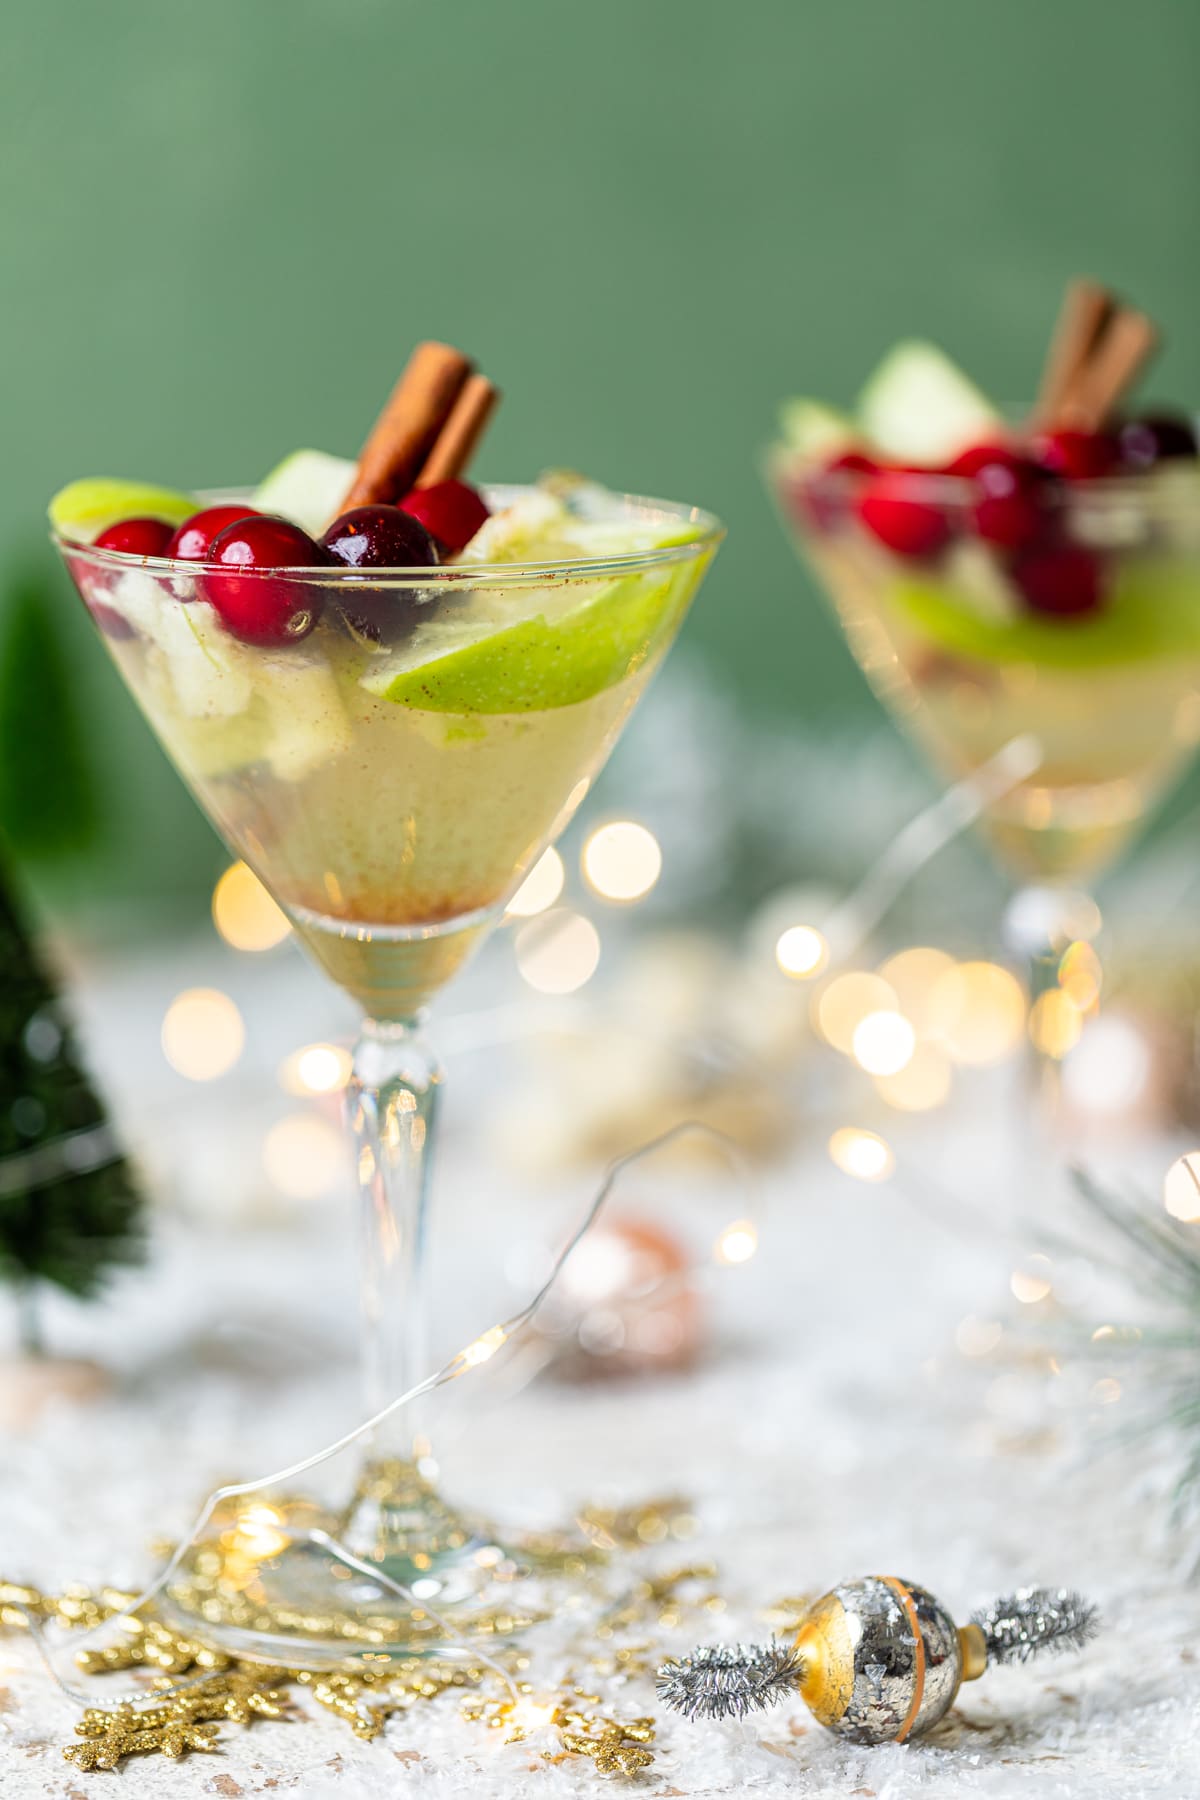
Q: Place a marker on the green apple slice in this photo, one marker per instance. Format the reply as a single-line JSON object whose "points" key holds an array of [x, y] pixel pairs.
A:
{"points": [[308, 488], [83, 509], [1153, 610], [919, 407], [814, 430], [541, 661], [540, 527], [526, 649]]}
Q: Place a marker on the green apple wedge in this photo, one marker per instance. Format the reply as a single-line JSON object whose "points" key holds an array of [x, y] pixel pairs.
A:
{"points": [[83, 509], [1152, 610], [585, 636], [307, 488], [816, 431], [919, 407]]}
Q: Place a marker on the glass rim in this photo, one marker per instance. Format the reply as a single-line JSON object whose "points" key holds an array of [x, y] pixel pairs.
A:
{"points": [[1141, 487], [710, 533]]}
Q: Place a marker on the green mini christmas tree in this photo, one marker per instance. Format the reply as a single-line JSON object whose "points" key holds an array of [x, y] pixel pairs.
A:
{"points": [[69, 1209]]}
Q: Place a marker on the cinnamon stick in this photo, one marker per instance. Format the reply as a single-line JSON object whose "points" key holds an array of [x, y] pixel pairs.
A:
{"points": [[410, 424], [1123, 351], [1083, 318], [460, 434]]}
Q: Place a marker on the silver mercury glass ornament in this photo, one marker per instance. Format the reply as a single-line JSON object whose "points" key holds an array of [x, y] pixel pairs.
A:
{"points": [[878, 1660]]}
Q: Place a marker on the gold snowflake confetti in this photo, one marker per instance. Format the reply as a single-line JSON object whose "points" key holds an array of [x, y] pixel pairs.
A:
{"points": [[197, 1687]]}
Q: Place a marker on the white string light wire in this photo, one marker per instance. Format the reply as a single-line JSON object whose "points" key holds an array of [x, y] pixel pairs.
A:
{"points": [[472, 1356]]}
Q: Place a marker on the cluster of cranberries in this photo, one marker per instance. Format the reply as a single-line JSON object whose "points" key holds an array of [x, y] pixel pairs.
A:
{"points": [[241, 550], [1014, 503]]}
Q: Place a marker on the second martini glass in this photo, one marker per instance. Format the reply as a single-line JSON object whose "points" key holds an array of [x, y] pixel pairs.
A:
{"points": [[392, 801], [1090, 653]]}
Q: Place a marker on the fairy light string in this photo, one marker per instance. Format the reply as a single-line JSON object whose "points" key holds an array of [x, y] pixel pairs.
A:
{"points": [[845, 927], [494, 1340]]}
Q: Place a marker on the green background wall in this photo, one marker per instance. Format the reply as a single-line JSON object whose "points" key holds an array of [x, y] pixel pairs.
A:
{"points": [[226, 224]]}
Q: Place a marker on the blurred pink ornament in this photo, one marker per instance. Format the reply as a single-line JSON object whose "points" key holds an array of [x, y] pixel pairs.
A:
{"points": [[627, 1303]]}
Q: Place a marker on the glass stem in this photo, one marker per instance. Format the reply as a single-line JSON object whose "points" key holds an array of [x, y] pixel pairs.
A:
{"points": [[1044, 1068], [392, 1105], [1039, 925], [395, 1516]]}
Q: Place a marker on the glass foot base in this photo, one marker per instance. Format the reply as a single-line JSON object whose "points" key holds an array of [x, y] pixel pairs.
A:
{"points": [[284, 1581]]}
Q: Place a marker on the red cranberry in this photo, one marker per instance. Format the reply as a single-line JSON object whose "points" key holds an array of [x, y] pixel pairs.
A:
{"points": [[93, 583], [1077, 455], [820, 498], [1155, 438], [450, 511], [853, 462], [137, 537], [112, 623], [1007, 510], [815, 507], [1061, 579], [255, 605], [378, 537], [194, 540], [968, 462], [892, 510]]}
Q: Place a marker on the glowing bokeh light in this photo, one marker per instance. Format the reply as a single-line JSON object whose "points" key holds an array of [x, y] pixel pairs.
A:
{"points": [[801, 952], [316, 1069], [913, 975], [863, 1154], [1031, 1282], [558, 951], [304, 1156], [258, 1531], [484, 1347], [1039, 916], [540, 888], [1181, 1188], [922, 1084], [843, 1004], [1055, 1023], [1080, 975], [531, 1715], [244, 913], [883, 1043], [977, 1010], [737, 1243], [202, 1034], [622, 861]]}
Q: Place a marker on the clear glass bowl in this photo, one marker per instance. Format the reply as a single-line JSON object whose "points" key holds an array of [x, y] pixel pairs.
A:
{"points": [[390, 772], [1086, 638]]}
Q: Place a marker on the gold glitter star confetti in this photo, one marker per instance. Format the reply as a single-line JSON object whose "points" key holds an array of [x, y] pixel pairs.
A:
{"points": [[616, 1748], [148, 1643], [112, 1736], [197, 1688], [630, 1527]]}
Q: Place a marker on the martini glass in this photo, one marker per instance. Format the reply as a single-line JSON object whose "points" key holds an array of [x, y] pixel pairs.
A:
{"points": [[1088, 653], [390, 779]]}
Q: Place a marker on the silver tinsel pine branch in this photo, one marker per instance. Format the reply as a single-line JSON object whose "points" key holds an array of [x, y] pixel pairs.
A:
{"points": [[1034, 1620], [727, 1681]]}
